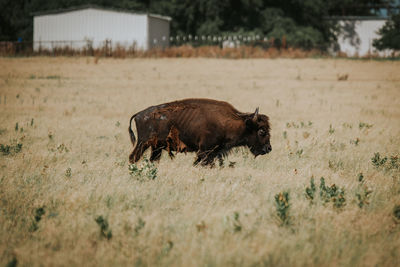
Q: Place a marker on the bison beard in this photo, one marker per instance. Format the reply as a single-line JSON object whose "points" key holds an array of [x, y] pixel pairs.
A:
{"points": [[208, 127]]}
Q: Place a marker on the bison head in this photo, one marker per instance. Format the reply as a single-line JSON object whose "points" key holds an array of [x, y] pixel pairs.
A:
{"points": [[258, 136]]}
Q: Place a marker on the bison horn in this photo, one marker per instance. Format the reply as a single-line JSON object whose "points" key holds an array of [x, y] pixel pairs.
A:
{"points": [[255, 117]]}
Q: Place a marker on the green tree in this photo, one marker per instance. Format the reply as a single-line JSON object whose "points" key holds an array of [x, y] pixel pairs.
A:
{"points": [[390, 35]]}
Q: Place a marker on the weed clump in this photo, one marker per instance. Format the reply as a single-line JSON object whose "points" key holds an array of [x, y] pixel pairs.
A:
{"points": [[233, 222], [327, 193], [147, 169], [364, 125], [396, 212], [13, 262], [394, 162], [10, 149], [362, 192], [310, 191], [302, 124], [332, 193], [139, 225], [379, 161], [104, 230], [331, 129], [39, 212], [355, 141], [167, 247], [282, 207], [336, 165], [68, 172]]}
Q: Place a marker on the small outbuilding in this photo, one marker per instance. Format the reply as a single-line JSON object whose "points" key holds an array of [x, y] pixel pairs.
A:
{"points": [[355, 36], [97, 27]]}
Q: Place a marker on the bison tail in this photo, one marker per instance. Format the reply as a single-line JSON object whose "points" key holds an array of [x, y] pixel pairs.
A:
{"points": [[131, 134]]}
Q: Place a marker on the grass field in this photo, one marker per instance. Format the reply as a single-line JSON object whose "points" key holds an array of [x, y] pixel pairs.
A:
{"points": [[67, 196]]}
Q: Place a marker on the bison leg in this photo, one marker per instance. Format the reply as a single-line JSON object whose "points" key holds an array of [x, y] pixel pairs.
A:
{"points": [[209, 160], [220, 160], [138, 152], [206, 155], [205, 158], [198, 160], [156, 152]]}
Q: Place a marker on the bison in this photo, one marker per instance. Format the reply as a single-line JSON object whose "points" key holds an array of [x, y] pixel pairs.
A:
{"points": [[208, 127]]}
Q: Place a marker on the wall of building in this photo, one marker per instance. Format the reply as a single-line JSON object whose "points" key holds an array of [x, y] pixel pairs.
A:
{"points": [[356, 36], [158, 32], [96, 25]]}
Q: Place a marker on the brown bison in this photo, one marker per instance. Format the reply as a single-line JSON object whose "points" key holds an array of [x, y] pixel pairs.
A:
{"points": [[208, 127]]}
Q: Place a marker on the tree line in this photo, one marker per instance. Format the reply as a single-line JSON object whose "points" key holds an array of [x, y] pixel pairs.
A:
{"points": [[297, 23]]}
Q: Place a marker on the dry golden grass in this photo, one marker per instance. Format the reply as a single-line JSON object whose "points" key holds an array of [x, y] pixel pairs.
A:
{"points": [[73, 164]]}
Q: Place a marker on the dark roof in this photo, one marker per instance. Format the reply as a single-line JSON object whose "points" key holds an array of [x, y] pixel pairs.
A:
{"points": [[70, 9]]}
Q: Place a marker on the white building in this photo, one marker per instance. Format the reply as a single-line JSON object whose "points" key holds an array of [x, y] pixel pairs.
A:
{"points": [[81, 26], [356, 35]]}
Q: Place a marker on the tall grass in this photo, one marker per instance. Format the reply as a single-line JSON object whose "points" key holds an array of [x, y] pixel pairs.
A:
{"points": [[69, 197]]}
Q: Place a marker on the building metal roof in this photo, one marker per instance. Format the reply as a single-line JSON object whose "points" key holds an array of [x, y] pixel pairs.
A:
{"points": [[76, 8]]}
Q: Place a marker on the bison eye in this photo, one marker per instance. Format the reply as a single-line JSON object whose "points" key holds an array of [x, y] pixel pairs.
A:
{"points": [[262, 132]]}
